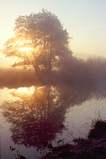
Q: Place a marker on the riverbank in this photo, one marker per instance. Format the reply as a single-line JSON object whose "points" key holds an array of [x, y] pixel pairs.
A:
{"points": [[94, 147]]}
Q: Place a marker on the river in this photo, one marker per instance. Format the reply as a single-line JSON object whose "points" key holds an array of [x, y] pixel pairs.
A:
{"points": [[55, 115]]}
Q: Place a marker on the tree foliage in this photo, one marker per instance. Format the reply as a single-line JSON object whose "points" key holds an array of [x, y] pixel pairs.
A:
{"points": [[39, 41]]}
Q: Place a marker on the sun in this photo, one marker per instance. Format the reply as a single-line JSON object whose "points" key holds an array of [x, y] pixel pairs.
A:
{"points": [[25, 49], [24, 46]]}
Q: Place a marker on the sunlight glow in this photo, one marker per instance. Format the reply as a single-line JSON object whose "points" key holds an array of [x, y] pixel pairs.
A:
{"points": [[25, 49]]}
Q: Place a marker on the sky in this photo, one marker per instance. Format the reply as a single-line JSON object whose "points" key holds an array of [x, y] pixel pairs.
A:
{"points": [[85, 21]]}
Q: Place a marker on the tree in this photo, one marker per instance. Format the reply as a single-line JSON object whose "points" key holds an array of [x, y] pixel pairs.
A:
{"points": [[39, 41]]}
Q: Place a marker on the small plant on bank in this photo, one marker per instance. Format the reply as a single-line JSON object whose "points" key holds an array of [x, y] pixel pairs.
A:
{"points": [[98, 130]]}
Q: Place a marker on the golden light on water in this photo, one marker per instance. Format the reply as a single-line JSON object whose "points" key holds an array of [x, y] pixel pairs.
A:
{"points": [[26, 90]]}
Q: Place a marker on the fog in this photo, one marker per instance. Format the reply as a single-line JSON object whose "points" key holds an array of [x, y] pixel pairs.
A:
{"points": [[74, 71]]}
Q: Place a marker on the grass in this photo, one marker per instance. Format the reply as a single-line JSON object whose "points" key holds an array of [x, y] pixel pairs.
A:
{"points": [[92, 148]]}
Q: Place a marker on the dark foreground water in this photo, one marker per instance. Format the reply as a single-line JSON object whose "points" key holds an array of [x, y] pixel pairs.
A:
{"points": [[31, 117]]}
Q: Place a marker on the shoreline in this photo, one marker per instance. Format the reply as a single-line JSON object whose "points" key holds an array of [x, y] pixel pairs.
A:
{"points": [[94, 147]]}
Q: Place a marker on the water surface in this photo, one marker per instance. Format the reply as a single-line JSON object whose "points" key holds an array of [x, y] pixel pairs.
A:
{"points": [[33, 116]]}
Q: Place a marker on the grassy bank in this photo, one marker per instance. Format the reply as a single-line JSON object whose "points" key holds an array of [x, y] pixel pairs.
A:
{"points": [[94, 147]]}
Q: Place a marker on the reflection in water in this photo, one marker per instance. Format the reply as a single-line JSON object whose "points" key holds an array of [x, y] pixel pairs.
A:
{"points": [[25, 90], [39, 112], [36, 117]]}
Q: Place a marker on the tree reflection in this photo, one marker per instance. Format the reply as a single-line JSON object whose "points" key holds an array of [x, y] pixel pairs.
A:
{"points": [[37, 117]]}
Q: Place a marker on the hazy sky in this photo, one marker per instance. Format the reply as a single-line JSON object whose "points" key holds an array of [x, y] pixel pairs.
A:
{"points": [[85, 21]]}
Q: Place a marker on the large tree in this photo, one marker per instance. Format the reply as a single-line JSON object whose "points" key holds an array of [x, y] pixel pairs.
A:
{"points": [[39, 41]]}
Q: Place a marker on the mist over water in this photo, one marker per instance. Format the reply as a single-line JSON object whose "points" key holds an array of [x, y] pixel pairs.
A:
{"points": [[74, 71], [33, 115]]}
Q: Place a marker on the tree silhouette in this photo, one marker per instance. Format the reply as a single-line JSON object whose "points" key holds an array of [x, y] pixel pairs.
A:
{"points": [[39, 41]]}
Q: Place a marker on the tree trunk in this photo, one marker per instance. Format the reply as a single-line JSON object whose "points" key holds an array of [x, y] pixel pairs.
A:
{"points": [[49, 65], [38, 78]]}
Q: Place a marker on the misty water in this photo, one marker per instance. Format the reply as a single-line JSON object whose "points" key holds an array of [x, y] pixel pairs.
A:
{"points": [[31, 116]]}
